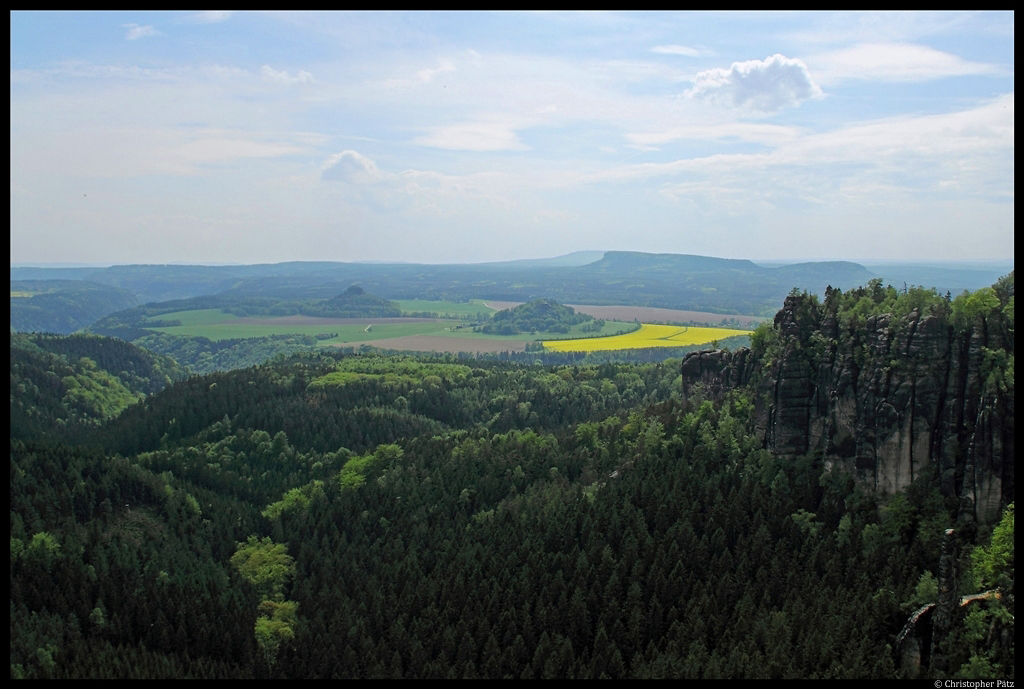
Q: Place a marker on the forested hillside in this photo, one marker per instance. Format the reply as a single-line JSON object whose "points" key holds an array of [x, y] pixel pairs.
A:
{"points": [[360, 516], [63, 306], [74, 380]]}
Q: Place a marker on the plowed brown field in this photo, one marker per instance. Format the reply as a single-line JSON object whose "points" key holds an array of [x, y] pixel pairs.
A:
{"points": [[644, 314]]}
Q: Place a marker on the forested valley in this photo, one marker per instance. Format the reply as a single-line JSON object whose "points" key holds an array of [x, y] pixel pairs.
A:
{"points": [[339, 515]]}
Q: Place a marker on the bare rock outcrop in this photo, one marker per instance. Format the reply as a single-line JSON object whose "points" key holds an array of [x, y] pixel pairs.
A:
{"points": [[888, 399]]}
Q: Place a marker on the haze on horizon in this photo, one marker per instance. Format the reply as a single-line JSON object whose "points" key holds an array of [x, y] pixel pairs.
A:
{"points": [[219, 137]]}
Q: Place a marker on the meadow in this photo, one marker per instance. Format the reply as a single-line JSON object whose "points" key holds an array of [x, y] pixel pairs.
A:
{"points": [[215, 325], [445, 309], [646, 336]]}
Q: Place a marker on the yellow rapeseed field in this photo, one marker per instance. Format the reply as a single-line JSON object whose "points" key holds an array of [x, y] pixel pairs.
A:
{"points": [[646, 336]]}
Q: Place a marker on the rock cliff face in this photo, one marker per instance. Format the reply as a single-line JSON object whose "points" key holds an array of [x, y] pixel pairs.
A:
{"points": [[889, 400]]}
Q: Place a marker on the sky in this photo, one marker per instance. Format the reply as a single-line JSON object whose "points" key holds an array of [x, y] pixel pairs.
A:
{"points": [[221, 137]]}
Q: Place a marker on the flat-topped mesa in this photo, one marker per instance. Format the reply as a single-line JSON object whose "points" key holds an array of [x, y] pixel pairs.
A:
{"points": [[886, 398]]}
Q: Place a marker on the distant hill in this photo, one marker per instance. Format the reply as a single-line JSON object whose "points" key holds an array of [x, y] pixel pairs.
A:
{"points": [[700, 283], [675, 264], [943, 278], [706, 283], [576, 258], [677, 281], [63, 306]]}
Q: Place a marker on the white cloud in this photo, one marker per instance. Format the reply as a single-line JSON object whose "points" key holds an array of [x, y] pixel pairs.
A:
{"points": [[136, 32], [210, 16], [427, 75], [949, 138], [969, 152], [350, 166], [123, 152], [763, 85], [844, 28], [676, 50], [437, 193], [547, 216], [84, 70], [423, 191], [771, 134], [225, 147], [486, 135], [282, 77], [894, 62]]}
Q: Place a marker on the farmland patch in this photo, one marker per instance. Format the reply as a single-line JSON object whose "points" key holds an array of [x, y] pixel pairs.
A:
{"points": [[216, 326], [443, 309], [647, 314], [647, 336]]}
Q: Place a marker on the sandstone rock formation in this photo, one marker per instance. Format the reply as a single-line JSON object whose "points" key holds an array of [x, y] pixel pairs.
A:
{"points": [[888, 399]]}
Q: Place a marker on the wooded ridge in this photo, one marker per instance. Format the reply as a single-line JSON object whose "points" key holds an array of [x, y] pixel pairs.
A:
{"points": [[338, 515]]}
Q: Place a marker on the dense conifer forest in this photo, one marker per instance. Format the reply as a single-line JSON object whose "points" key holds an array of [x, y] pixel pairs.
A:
{"points": [[363, 516]]}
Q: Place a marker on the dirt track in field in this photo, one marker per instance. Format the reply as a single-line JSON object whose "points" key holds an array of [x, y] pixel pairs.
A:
{"points": [[644, 314], [434, 343], [317, 320]]}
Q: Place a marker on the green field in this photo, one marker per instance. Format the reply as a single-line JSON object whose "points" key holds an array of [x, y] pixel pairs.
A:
{"points": [[197, 317], [445, 309], [346, 333], [610, 328], [215, 325]]}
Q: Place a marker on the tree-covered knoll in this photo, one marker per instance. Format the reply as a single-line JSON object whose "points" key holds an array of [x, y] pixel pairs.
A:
{"points": [[354, 302], [540, 315]]}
